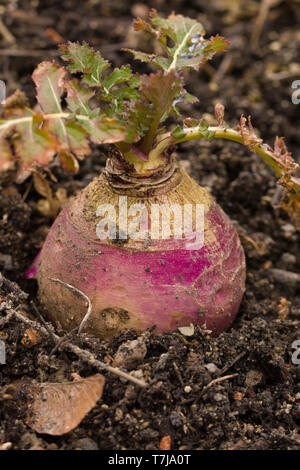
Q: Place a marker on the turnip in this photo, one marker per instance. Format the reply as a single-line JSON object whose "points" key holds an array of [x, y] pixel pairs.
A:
{"points": [[143, 242]]}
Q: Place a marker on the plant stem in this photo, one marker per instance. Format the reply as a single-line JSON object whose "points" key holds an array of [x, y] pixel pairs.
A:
{"points": [[13, 122], [194, 133]]}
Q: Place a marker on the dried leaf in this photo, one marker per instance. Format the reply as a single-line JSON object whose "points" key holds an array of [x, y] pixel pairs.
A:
{"points": [[68, 162], [61, 196], [58, 408], [219, 113], [187, 330], [42, 186], [17, 100], [248, 134], [291, 205]]}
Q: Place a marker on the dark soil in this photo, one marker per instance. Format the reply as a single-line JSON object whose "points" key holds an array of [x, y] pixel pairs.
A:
{"points": [[257, 408]]}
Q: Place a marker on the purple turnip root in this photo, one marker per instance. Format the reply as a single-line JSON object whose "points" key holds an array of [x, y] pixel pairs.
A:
{"points": [[139, 285], [179, 273]]}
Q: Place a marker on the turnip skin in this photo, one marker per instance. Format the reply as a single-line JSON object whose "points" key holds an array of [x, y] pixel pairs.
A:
{"points": [[134, 286]]}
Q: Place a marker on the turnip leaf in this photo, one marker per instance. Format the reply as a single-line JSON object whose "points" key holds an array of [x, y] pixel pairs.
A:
{"points": [[49, 80], [83, 59], [33, 145], [189, 48]]}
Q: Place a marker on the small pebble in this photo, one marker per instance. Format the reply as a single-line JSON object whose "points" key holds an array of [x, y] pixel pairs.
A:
{"points": [[212, 368], [175, 419], [85, 444], [218, 397]]}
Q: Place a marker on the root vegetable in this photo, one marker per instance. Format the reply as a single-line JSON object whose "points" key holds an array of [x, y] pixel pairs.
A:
{"points": [[138, 285]]}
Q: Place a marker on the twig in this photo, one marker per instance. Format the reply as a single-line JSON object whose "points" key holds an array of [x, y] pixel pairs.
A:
{"points": [[234, 361], [177, 371], [77, 291], [6, 319], [264, 9], [6, 34], [63, 340], [27, 191], [222, 70], [218, 380], [86, 356], [215, 381], [50, 52], [13, 287], [49, 331]]}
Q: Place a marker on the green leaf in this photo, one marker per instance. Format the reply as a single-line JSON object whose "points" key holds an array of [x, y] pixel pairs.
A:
{"points": [[103, 130], [83, 59], [77, 138], [69, 137], [204, 128], [159, 61], [49, 80], [121, 75], [33, 145], [159, 93], [78, 98], [178, 133], [189, 50], [119, 88]]}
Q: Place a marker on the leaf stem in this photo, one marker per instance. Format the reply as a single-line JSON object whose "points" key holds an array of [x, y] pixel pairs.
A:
{"points": [[13, 122], [194, 133]]}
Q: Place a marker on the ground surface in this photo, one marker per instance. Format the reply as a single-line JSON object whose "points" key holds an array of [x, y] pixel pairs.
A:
{"points": [[257, 408]]}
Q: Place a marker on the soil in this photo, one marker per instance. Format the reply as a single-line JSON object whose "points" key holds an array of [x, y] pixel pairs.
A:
{"points": [[258, 405]]}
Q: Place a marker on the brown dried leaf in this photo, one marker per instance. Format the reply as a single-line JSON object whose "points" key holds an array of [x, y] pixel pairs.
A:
{"points": [[41, 185], [219, 113], [248, 134], [17, 100], [68, 162], [58, 408], [50, 205], [291, 205]]}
